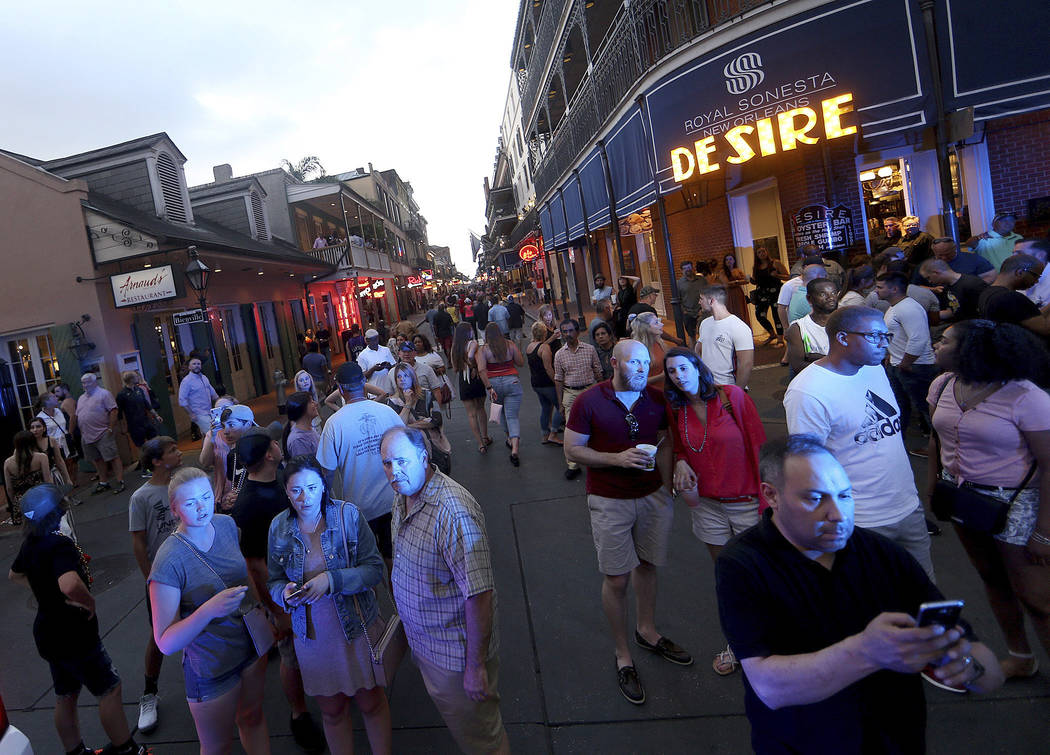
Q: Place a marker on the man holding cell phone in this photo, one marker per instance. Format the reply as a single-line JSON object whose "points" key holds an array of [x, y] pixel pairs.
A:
{"points": [[827, 620]]}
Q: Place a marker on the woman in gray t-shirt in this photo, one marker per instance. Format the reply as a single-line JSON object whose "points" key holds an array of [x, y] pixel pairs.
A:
{"points": [[199, 590]]}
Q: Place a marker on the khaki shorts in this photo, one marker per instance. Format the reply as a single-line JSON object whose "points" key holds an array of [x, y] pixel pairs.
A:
{"points": [[476, 727], [104, 449], [628, 531], [715, 522]]}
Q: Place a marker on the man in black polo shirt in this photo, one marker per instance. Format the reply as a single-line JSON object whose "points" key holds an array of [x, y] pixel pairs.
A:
{"points": [[1003, 301], [628, 495], [821, 617]]}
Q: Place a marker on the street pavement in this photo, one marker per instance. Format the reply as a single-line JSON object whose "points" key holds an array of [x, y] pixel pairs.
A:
{"points": [[557, 678]]}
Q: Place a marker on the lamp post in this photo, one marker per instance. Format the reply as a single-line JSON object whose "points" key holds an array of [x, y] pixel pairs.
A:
{"points": [[197, 275]]}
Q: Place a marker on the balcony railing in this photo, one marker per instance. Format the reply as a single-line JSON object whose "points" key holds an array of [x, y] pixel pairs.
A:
{"points": [[549, 17], [642, 34], [359, 257]]}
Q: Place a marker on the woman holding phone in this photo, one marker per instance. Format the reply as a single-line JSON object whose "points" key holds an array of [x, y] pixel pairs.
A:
{"points": [[198, 590], [323, 563]]}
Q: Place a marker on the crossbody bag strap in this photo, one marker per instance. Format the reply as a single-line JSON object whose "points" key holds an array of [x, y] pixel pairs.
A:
{"points": [[201, 558], [1024, 482]]}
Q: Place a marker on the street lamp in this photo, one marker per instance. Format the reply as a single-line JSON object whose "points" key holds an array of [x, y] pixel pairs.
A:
{"points": [[197, 275]]}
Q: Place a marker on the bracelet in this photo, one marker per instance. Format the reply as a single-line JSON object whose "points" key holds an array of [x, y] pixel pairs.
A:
{"points": [[1040, 538], [976, 667]]}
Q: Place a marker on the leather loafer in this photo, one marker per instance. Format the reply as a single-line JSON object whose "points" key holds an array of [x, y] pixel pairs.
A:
{"points": [[630, 685], [667, 649]]}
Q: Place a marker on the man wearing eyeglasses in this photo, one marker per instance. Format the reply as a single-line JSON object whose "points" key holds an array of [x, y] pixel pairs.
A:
{"points": [[1003, 301], [846, 401], [629, 500]]}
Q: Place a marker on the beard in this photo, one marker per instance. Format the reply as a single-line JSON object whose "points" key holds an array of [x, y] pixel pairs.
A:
{"points": [[636, 382]]}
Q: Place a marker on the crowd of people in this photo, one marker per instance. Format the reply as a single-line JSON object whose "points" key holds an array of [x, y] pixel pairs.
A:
{"points": [[297, 534]]}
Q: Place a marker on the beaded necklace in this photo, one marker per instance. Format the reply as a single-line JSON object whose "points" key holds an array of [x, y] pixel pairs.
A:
{"points": [[685, 431]]}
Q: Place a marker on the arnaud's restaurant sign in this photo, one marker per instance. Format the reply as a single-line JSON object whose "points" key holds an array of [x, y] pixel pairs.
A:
{"points": [[801, 81], [152, 284]]}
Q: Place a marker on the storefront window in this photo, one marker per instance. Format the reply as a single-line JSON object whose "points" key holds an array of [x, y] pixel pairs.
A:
{"points": [[884, 195]]}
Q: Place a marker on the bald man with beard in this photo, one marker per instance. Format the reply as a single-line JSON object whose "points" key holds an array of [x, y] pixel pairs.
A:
{"points": [[629, 499]]}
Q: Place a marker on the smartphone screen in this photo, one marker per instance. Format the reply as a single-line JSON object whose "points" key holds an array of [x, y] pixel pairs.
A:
{"points": [[943, 612]]}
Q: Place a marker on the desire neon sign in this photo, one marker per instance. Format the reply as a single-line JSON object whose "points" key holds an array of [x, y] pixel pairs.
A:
{"points": [[687, 162]]}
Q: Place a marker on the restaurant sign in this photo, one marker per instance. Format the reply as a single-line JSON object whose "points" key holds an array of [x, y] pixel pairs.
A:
{"points": [[826, 227], [529, 252], [152, 284], [801, 81]]}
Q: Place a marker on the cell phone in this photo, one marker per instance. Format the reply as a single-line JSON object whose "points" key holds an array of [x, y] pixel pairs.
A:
{"points": [[943, 612], [297, 593]]}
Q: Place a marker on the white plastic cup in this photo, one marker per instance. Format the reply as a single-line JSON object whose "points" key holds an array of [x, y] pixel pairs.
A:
{"points": [[649, 449]]}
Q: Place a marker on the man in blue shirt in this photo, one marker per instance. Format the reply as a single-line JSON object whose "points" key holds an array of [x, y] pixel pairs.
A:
{"points": [[196, 396]]}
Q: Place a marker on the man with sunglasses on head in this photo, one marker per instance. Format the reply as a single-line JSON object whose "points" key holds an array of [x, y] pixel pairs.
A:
{"points": [[629, 499], [1003, 301], [845, 400]]}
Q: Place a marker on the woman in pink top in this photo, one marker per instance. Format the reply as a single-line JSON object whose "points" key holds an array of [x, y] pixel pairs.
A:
{"points": [[993, 422]]}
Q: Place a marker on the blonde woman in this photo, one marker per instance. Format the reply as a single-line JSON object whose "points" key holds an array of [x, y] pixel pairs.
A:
{"points": [[199, 590], [648, 329], [416, 407]]}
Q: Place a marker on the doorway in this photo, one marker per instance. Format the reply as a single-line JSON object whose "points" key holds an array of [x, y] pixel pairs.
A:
{"points": [[757, 220], [34, 369], [237, 348]]}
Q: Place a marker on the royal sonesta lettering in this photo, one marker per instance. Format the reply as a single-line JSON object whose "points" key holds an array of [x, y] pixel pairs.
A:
{"points": [[795, 126]]}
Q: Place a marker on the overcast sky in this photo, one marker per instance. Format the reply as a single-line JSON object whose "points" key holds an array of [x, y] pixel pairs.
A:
{"points": [[416, 85]]}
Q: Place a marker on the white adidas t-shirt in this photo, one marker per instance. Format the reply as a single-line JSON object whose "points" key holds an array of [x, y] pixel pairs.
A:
{"points": [[720, 340], [856, 416]]}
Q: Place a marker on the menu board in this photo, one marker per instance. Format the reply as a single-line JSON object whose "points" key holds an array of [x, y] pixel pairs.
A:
{"points": [[826, 227]]}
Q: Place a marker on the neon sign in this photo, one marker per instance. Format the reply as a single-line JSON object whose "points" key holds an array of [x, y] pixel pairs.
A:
{"points": [[792, 126], [529, 252]]}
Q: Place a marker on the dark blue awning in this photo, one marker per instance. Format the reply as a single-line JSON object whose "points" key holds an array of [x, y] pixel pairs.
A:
{"points": [[632, 178], [557, 221], [570, 194], [595, 192], [546, 229], [990, 66]]}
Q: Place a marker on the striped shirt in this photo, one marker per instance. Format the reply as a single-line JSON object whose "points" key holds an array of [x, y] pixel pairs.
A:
{"points": [[441, 558]]}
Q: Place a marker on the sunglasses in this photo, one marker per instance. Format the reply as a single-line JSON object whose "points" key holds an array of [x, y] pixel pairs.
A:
{"points": [[632, 426]]}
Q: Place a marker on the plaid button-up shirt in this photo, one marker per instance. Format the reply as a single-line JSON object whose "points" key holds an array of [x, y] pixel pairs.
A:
{"points": [[577, 368], [441, 558]]}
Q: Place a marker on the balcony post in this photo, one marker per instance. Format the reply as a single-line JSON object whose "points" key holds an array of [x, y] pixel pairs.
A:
{"points": [[614, 219]]}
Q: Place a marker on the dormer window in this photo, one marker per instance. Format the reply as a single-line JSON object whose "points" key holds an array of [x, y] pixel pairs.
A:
{"points": [[260, 231], [171, 188]]}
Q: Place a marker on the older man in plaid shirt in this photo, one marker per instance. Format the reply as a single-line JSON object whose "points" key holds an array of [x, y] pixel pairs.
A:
{"points": [[576, 368], [445, 593]]}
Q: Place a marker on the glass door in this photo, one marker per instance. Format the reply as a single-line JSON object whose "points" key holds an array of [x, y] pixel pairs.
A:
{"points": [[34, 369]]}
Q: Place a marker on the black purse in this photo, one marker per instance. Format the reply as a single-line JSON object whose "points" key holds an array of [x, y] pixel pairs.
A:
{"points": [[967, 506]]}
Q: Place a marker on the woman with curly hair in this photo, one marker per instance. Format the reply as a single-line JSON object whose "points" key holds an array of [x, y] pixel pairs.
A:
{"points": [[993, 424], [471, 388], [717, 436]]}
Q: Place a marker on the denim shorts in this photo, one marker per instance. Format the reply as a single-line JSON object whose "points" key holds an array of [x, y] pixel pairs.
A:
{"points": [[200, 690], [93, 670]]}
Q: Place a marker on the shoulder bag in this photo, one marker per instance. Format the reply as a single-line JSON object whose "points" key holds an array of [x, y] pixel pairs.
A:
{"points": [[389, 649], [70, 443], [965, 504], [255, 620]]}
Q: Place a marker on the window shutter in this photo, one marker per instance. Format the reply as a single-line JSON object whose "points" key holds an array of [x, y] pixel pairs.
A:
{"points": [[171, 188], [261, 232]]}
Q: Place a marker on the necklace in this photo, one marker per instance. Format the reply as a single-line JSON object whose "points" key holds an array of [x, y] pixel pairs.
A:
{"points": [[976, 397], [685, 431]]}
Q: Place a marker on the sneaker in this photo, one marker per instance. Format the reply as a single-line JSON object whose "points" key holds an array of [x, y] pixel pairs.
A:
{"points": [[921, 452], [725, 662], [630, 685], [929, 676], [99, 488], [308, 734], [148, 713], [665, 648], [119, 488], [572, 474], [932, 528], [146, 475]]}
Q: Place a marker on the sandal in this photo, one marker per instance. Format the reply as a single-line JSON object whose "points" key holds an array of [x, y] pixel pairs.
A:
{"points": [[725, 662], [487, 441], [483, 449]]}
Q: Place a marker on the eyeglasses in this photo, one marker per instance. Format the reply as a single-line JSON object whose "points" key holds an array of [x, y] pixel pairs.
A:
{"points": [[875, 338], [632, 425]]}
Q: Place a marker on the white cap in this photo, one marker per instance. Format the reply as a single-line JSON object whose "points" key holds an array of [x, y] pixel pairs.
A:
{"points": [[371, 333]]}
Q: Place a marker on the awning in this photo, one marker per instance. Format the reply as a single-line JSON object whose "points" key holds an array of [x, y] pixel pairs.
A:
{"points": [[570, 194], [558, 221], [1011, 80], [545, 226], [632, 178], [595, 193]]}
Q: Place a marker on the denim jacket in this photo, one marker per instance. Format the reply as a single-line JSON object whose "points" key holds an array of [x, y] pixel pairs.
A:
{"points": [[349, 574]]}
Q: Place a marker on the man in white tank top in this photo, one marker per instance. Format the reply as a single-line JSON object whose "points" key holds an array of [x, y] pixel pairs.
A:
{"points": [[807, 340]]}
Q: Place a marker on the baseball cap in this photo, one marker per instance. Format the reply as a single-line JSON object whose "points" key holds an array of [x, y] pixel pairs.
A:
{"points": [[371, 333], [253, 445], [42, 506], [238, 411], [349, 373], [408, 346], [813, 260], [1000, 215], [648, 291]]}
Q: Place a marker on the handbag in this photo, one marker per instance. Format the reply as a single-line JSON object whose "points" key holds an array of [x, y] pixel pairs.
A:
{"points": [[389, 650], [495, 410], [255, 620], [443, 394], [68, 437], [964, 504]]}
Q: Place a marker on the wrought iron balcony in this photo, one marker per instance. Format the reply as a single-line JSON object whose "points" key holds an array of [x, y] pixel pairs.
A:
{"points": [[640, 36], [359, 257]]}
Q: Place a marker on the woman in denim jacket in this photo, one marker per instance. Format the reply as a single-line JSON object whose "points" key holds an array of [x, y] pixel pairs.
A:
{"points": [[328, 593]]}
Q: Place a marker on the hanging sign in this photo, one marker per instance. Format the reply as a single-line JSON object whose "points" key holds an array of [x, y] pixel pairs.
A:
{"points": [[826, 227], [529, 252], [414, 281], [152, 284], [426, 275], [375, 289]]}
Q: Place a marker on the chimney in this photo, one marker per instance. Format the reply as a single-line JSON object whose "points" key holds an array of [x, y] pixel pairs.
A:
{"points": [[222, 172]]}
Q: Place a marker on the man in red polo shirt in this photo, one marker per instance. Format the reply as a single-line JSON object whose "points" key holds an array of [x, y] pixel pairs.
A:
{"points": [[630, 502]]}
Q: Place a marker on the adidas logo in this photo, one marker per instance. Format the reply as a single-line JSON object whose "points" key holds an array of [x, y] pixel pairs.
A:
{"points": [[882, 420]]}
